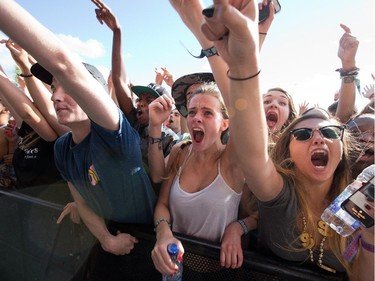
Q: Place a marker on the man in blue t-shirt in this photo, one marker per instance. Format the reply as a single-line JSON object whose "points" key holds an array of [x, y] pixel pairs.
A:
{"points": [[102, 164], [100, 157]]}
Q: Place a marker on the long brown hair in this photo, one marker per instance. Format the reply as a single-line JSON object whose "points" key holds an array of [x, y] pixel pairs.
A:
{"points": [[341, 178], [292, 109]]}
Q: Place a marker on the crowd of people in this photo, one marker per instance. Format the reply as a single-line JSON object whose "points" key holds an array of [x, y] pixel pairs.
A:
{"points": [[239, 160]]}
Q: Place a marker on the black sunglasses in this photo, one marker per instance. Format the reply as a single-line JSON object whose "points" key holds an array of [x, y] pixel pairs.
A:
{"points": [[328, 132]]}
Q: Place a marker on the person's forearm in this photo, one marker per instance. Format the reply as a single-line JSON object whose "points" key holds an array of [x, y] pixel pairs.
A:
{"points": [[31, 35], [363, 266], [120, 86], [162, 221], [94, 223], [155, 155], [193, 19], [346, 102], [25, 108], [347, 93]]}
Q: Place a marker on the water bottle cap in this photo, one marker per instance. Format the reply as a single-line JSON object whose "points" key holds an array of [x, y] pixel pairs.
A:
{"points": [[172, 249], [367, 173]]}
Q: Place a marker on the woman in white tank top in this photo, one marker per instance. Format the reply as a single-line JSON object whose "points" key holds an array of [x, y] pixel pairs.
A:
{"points": [[203, 191]]}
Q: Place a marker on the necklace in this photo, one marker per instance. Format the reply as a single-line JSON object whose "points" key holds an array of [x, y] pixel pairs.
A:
{"points": [[308, 242]]}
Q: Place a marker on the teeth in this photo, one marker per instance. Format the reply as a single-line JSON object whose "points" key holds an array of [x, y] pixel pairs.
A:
{"points": [[320, 151], [197, 130]]}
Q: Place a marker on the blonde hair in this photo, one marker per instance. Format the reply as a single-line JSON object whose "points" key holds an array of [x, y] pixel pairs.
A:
{"points": [[211, 89], [207, 88]]}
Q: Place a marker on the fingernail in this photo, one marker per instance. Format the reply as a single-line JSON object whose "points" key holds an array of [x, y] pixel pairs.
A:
{"points": [[208, 12]]}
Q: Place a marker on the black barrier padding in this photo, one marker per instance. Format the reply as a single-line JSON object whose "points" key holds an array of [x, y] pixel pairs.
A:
{"points": [[34, 247]]}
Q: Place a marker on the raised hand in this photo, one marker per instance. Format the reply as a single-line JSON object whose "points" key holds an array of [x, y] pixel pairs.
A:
{"points": [[159, 109], [158, 76], [347, 49], [167, 77], [105, 15], [265, 25], [303, 107], [20, 56], [369, 91], [234, 30]]}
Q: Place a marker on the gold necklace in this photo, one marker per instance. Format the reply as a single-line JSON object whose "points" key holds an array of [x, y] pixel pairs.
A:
{"points": [[308, 242]]}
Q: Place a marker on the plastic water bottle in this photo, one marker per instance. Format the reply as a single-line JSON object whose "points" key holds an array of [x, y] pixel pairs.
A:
{"points": [[173, 253], [336, 217]]}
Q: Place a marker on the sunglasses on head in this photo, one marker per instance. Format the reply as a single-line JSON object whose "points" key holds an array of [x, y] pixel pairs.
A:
{"points": [[328, 132]]}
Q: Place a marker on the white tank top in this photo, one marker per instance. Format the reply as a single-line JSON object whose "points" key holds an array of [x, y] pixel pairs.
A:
{"points": [[206, 213]]}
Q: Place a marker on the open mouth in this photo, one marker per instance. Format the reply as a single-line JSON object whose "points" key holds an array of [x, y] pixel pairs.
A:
{"points": [[198, 135], [272, 119], [319, 158]]}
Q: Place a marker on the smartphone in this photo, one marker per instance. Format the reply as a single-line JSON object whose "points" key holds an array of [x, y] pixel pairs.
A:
{"points": [[360, 205], [265, 12]]}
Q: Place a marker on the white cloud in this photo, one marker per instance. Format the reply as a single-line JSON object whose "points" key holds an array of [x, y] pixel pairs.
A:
{"points": [[90, 49]]}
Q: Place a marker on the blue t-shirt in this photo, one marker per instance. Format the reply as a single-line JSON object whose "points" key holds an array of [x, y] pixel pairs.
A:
{"points": [[106, 169]]}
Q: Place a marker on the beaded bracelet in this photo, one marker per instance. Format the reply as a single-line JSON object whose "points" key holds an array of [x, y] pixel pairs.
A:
{"points": [[159, 221], [244, 227], [352, 72], [242, 79]]}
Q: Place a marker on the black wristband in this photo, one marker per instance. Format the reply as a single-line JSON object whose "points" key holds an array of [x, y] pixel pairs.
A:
{"points": [[207, 53], [152, 140], [242, 79], [24, 75]]}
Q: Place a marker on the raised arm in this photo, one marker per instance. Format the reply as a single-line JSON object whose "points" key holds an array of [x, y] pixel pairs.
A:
{"points": [[238, 46], [41, 96], [347, 51], [24, 108], [190, 13], [159, 111], [22, 27], [120, 86]]}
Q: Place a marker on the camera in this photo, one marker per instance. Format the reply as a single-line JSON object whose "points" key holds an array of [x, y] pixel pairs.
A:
{"points": [[265, 12], [360, 205]]}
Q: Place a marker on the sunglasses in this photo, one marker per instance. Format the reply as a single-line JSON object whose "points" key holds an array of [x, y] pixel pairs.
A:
{"points": [[329, 132]]}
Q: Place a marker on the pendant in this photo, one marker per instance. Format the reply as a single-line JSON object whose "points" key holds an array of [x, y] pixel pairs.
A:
{"points": [[324, 229], [327, 268], [307, 240]]}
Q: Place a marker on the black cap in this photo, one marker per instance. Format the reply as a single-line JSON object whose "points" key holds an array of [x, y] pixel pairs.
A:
{"points": [[44, 75], [152, 89], [181, 85]]}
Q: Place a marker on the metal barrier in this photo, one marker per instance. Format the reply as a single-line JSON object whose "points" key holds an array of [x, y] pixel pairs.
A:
{"points": [[33, 247]]}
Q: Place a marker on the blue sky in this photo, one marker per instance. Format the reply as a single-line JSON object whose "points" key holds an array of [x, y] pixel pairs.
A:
{"points": [[299, 55]]}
